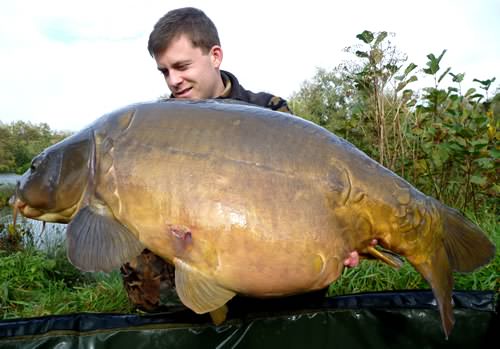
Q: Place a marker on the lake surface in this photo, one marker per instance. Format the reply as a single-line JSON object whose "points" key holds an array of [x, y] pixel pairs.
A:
{"points": [[9, 178], [43, 238]]}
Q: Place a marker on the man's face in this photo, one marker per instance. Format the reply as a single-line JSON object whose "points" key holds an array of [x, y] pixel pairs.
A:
{"points": [[189, 72]]}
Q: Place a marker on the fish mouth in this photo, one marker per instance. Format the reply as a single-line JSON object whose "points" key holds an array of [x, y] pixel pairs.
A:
{"points": [[27, 211], [19, 206]]}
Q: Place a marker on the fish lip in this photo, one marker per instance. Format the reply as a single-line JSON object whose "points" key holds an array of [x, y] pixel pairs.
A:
{"points": [[12, 200], [16, 202], [19, 205]]}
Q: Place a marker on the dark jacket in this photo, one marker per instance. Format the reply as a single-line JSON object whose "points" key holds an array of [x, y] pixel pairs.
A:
{"points": [[234, 90]]}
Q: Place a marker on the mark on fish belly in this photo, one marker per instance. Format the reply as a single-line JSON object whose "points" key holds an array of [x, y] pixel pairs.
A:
{"points": [[183, 238], [181, 232]]}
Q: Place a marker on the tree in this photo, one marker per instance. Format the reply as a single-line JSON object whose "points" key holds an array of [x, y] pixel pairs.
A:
{"points": [[21, 141], [445, 141]]}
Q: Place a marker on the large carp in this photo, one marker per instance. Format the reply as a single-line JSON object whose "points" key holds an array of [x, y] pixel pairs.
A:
{"points": [[241, 200]]}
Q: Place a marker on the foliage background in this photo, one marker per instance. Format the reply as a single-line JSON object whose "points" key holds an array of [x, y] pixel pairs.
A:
{"points": [[21, 141], [441, 139]]}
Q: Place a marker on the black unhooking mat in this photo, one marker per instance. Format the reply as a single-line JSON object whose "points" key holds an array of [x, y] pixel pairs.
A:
{"points": [[372, 320]]}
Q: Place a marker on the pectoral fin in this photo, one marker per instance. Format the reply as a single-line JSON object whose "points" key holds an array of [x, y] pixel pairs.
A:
{"points": [[386, 256], [98, 242], [199, 292]]}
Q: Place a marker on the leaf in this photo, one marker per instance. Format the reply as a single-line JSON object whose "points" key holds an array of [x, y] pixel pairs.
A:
{"points": [[431, 57], [465, 133], [409, 68], [417, 131], [495, 153], [366, 36], [444, 74], [392, 68], [480, 119], [457, 146], [362, 54], [422, 165], [380, 37], [477, 95], [458, 77], [439, 156], [485, 163], [441, 56], [479, 180], [433, 63], [469, 92], [401, 86], [486, 83], [413, 78], [407, 93]]}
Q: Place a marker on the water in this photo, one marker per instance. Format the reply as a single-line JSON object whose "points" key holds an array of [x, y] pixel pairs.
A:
{"points": [[7, 186], [8, 179], [42, 238]]}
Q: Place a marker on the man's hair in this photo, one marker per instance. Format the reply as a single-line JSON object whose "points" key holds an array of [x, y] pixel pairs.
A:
{"points": [[189, 21]]}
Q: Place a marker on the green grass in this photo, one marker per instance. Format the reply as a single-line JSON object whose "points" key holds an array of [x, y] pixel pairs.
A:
{"points": [[6, 191], [31, 287], [35, 284]]}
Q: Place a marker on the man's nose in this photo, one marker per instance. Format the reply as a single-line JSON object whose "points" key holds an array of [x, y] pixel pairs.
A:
{"points": [[174, 78]]}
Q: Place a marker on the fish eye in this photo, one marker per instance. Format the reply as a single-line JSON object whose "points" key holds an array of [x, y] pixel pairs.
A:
{"points": [[35, 162]]}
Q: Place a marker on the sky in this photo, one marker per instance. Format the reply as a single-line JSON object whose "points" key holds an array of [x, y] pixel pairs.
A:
{"points": [[66, 63]]}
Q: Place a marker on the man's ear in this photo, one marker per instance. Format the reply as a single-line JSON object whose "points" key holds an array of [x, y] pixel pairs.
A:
{"points": [[216, 56]]}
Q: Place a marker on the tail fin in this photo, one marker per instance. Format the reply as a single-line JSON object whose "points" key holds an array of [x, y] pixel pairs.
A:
{"points": [[438, 274], [465, 248], [466, 244]]}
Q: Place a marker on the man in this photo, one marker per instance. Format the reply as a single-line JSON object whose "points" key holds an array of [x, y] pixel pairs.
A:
{"points": [[186, 47]]}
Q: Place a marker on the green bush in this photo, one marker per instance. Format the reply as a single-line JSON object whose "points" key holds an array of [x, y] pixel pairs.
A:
{"points": [[443, 141]]}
